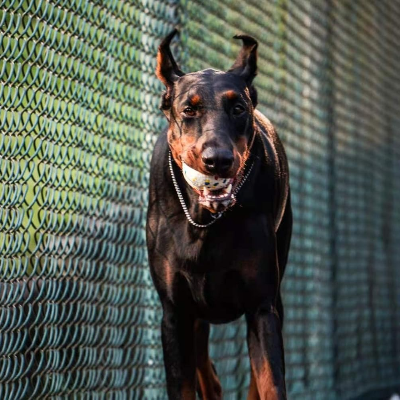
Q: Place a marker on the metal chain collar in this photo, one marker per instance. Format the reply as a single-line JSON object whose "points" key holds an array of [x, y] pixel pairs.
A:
{"points": [[215, 217]]}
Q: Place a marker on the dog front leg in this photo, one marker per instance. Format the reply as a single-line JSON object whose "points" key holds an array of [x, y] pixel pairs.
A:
{"points": [[264, 338], [253, 391], [177, 333], [210, 386]]}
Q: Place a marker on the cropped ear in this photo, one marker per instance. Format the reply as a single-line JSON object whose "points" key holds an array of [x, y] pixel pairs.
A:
{"points": [[167, 70], [246, 62]]}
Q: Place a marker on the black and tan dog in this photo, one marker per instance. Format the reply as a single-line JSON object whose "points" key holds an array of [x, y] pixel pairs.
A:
{"points": [[219, 224]]}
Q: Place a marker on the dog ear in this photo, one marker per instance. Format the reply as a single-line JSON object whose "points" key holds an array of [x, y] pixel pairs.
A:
{"points": [[167, 70], [245, 65], [246, 62]]}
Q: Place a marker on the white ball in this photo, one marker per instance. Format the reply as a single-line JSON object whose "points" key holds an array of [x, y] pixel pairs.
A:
{"points": [[199, 181]]}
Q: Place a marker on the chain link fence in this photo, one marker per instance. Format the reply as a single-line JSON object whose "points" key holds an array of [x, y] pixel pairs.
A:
{"points": [[79, 115]]}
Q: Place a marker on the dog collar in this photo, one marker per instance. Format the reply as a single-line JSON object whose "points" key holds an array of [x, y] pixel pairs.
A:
{"points": [[215, 216]]}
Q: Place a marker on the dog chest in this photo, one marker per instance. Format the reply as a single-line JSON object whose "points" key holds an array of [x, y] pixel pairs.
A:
{"points": [[218, 297], [223, 296]]}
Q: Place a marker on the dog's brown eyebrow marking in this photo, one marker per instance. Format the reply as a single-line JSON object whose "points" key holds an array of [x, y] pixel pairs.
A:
{"points": [[195, 99], [231, 95]]}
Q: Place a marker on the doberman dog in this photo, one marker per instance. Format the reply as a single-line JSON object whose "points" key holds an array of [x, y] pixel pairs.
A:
{"points": [[219, 224]]}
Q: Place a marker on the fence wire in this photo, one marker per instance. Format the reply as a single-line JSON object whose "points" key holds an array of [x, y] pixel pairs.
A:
{"points": [[78, 118]]}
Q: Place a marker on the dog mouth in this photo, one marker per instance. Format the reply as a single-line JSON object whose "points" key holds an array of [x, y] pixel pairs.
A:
{"points": [[215, 193], [217, 200]]}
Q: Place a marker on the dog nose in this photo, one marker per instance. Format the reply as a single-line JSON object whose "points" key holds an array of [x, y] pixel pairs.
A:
{"points": [[217, 160]]}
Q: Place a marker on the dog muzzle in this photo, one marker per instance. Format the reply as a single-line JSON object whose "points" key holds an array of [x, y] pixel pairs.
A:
{"points": [[214, 192]]}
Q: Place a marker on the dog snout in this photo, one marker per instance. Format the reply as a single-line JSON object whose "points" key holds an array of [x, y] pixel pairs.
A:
{"points": [[217, 161]]}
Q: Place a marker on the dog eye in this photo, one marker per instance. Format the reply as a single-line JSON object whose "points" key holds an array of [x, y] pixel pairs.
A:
{"points": [[189, 112], [238, 109]]}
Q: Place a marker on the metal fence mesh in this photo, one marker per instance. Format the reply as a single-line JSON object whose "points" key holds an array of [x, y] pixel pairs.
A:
{"points": [[367, 230], [79, 111], [78, 118]]}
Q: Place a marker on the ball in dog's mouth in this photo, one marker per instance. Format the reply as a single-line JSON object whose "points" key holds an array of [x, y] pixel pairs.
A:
{"points": [[215, 193]]}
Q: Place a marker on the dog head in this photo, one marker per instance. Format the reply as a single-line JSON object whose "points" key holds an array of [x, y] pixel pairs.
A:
{"points": [[211, 121]]}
